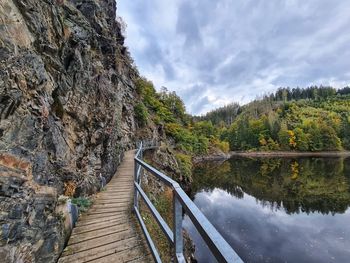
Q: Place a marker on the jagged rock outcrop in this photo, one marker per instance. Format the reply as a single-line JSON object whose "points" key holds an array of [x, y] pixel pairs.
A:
{"points": [[66, 114]]}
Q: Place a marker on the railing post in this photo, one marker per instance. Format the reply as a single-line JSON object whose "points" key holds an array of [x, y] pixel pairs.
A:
{"points": [[136, 204], [178, 238]]}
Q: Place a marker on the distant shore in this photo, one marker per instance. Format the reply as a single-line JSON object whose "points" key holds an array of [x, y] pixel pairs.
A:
{"points": [[292, 154], [281, 154]]}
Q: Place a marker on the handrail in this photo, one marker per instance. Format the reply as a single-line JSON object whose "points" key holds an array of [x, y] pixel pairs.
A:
{"points": [[222, 251]]}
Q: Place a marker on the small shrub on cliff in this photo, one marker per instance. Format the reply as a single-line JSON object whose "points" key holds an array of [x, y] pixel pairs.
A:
{"points": [[145, 88], [141, 114], [83, 203], [185, 164]]}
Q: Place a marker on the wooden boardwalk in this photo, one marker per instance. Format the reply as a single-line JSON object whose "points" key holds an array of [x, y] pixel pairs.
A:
{"points": [[108, 232]]}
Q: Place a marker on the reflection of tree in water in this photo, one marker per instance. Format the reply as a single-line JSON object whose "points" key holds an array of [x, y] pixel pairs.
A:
{"points": [[297, 185]]}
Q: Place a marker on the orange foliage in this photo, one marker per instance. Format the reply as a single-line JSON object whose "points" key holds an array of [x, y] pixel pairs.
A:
{"points": [[69, 188]]}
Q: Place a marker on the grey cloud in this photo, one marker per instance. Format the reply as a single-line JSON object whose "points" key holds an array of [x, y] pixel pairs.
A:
{"points": [[198, 105], [157, 56], [195, 97], [270, 43], [187, 24]]}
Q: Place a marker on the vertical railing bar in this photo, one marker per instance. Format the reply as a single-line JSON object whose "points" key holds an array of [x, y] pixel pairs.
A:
{"points": [[136, 166], [138, 173], [140, 176], [135, 190], [178, 238]]}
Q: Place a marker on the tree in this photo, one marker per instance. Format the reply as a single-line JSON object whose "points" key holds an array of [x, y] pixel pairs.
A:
{"points": [[204, 128], [173, 102], [315, 142], [330, 140], [283, 136], [301, 139], [345, 131], [141, 114]]}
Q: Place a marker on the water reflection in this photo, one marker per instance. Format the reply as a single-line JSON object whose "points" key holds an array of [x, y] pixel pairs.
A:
{"points": [[277, 210]]}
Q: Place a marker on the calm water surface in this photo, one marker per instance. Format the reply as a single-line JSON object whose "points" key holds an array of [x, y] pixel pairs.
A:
{"points": [[276, 210]]}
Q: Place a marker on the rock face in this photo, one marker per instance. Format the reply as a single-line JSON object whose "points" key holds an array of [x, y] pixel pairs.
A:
{"points": [[66, 115]]}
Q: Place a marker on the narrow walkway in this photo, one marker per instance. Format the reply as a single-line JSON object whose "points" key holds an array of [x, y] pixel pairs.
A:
{"points": [[108, 232]]}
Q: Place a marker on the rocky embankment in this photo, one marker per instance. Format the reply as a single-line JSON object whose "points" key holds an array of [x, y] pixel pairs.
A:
{"points": [[66, 115]]}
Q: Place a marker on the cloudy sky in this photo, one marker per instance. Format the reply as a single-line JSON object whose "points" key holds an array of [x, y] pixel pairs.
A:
{"points": [[213, 52]]}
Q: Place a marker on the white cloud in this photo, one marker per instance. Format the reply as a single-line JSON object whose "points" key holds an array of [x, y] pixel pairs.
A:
{"points": [[226, 51]]}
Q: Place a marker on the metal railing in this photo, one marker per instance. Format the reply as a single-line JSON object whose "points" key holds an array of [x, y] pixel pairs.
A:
{"points": [[222, 251]]}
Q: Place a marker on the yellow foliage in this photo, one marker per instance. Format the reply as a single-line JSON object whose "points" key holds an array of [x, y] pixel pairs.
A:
{"points": [[292, 139], [222, 145], [262, 141]]}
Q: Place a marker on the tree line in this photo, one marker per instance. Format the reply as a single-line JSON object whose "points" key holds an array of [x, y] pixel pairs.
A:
{"points": [[309, 93], [310, 119]]}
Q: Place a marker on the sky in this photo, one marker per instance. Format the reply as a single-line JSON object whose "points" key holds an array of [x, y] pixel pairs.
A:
{"points": [[214, 52]]}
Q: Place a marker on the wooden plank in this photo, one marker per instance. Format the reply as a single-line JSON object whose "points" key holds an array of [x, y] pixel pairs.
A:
{"points": [[124, 195], [108, 211], [111, 201], [108, 205], [122, 256], [125, 181], [121, 188], [104, 215], [112, 195], [118, 189], [102, 251], [98, 233], [100, 226], [89, 220], [97, 242]]}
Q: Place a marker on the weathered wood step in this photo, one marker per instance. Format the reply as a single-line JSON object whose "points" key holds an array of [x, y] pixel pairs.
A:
{"points": [[111, 197], [99, 226], [90, 221], [74, 239], [127, 254], [108, 205], [97, 242], [102, 251], [115, 200], [116, 210]]}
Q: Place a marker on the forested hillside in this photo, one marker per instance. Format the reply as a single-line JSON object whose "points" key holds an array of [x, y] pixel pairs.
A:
{"points": [[312, 119], [166, 111]]}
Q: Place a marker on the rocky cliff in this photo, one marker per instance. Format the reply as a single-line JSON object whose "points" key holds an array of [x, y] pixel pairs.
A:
{"points": [[66, 115]]}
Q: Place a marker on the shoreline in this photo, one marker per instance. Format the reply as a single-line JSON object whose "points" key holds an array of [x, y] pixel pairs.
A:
{"points": [[272, 154]]}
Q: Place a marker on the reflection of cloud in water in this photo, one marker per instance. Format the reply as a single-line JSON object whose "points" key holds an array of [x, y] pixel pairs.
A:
{"points": [[259, 234]]}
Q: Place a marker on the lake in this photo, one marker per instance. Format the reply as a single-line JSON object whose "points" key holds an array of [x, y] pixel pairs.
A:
{"points": [[276, 209]]}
